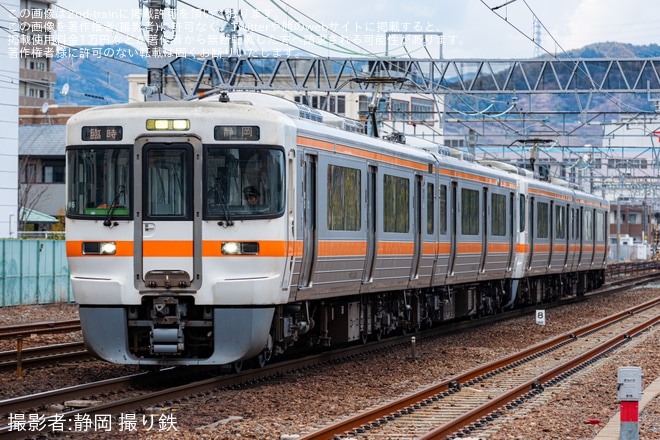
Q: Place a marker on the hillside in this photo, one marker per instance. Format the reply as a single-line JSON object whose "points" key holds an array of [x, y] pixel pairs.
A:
{"points": [[94, 79], [97, 76]]}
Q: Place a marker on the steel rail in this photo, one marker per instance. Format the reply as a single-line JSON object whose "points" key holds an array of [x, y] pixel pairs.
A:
{"points": [[451, 385]]}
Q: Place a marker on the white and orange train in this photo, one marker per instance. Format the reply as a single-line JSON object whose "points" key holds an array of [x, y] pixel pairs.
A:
{"points": [[214, 231]]}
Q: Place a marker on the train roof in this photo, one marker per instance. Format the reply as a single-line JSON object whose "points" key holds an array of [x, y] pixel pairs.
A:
{"points": [[324, 125]]}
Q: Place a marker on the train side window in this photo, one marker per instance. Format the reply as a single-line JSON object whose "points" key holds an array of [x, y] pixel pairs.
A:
{"points": [[600, 229], [396, 204], [344, 211], [542, 217], [588, 226], [429, 208], [560, 216], [470, 212], [443, 209], [498, 215], [523, 213]]}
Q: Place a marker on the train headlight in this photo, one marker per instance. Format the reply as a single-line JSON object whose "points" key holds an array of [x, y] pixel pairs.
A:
{"points": [[239, 248], [99, 248], [231, 248], [168, 124]]}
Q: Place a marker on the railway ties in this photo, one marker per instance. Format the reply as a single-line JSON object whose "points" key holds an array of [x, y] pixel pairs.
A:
{"points": [[469, 402]]}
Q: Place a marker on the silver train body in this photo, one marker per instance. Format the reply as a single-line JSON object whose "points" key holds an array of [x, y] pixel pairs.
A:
{"points": [[211, 232]]}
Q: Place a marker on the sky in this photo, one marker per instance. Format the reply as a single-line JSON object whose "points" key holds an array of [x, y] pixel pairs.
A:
{"points": [[488, 29]]}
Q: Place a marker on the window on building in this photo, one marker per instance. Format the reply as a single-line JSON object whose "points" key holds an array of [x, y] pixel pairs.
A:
{"points": [[422, 110], [29, 174], [53, 172], [399, 110], [341, 105]]}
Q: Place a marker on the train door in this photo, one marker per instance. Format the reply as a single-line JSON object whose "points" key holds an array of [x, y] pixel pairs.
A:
{"points": [[580, 235], [453, 227], [444, 242], [309, 222], [511, 228], [417, 228], [567, 222], [485, 230], [589, 233], [167, 248], [551, 233], [372, 237], [532, 231]]}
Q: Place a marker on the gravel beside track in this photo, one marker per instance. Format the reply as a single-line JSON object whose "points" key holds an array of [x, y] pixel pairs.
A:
{"points": [[299, 402]]}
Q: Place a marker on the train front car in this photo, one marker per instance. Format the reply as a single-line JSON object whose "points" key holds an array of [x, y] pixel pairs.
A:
{"points": [[177, 229]]}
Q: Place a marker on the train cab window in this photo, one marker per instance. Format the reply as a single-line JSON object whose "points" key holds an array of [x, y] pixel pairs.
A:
{"points": [[344, 212], [429, 208], [470, 214], [498, 215], [98, 182], [396, 204], [523, 213], [243, 182], [560, 220], [542, 217], [167, 182], [443, 209]]}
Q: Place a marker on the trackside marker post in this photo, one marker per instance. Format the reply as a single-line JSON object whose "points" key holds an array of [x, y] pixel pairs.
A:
{"points": [[629, 391]]}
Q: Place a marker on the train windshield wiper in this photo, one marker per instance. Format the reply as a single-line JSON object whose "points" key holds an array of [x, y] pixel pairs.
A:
{"points": [[225, 210], [219, 199], [108, 218]]}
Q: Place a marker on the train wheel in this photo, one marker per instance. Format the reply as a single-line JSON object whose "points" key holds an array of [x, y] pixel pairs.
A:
{"points": [[237, 366], [364, 337], [262, 358], [378, 334]]}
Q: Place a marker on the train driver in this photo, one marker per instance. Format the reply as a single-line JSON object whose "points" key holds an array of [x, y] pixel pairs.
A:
{"points": [[252, 196]]}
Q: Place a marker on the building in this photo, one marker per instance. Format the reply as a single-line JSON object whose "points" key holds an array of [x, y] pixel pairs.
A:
{"points": [[9, 69], [36, 53], [42, 170]]}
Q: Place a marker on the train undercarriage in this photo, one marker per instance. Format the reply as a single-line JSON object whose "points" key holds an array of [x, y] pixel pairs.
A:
{"points": [[173, 326], [340, 320]]}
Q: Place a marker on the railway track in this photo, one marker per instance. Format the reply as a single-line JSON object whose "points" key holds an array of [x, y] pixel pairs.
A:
{"points": [[466, 403], [167, 395], [43, 356], [13, 331]]}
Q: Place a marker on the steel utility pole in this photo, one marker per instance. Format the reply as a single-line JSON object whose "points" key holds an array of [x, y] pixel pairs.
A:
{"points": [[155, 40]]}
